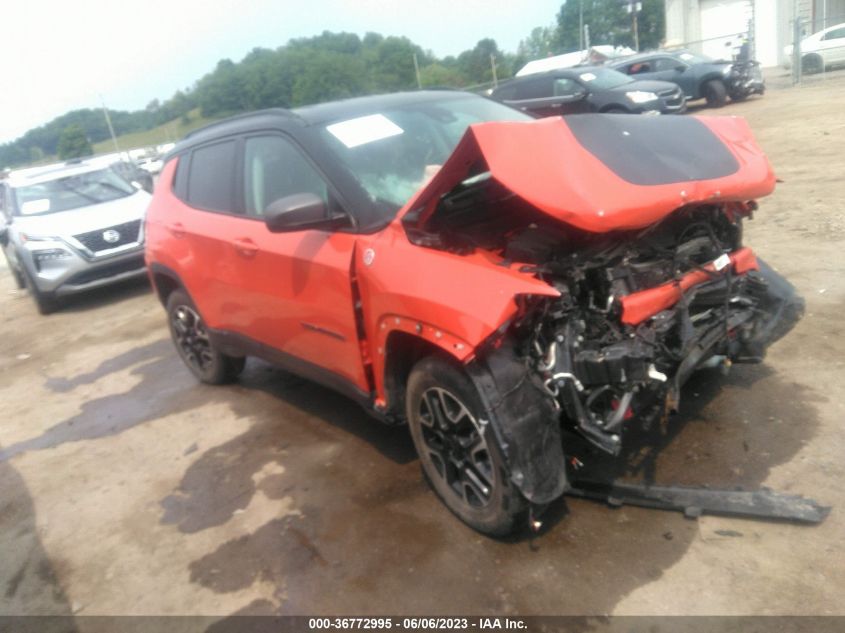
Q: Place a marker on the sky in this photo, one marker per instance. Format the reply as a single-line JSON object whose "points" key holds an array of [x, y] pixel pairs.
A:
{"points": [[61, 55]]}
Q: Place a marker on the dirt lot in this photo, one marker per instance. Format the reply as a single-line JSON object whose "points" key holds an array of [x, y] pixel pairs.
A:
{"points": [[127, 488]]}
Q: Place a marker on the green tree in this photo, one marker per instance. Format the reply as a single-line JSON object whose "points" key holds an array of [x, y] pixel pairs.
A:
{"points": [[610, 23], [73, 143]]}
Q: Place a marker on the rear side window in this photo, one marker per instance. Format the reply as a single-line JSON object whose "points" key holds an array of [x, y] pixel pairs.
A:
{"points": [[834, 35], [535, 89], [211, 177]]}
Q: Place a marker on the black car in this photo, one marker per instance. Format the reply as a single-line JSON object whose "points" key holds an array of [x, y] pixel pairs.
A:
{"points": [[588, 89], [699, 76]]}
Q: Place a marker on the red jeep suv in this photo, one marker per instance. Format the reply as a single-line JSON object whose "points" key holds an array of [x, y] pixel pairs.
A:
{"points": [[505, 286]]}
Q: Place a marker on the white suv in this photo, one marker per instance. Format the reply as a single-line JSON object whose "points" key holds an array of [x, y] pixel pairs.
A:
{"points": [[70, 227]]}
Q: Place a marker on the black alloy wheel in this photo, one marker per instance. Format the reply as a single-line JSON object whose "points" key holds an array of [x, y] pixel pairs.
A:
{"points": [[195, 346], [457, 448]]}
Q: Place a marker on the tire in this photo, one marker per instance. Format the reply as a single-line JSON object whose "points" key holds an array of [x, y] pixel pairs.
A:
{"points": [[812, 64], [46, 302], [20, 281], [715, 93], [459, 455], [198, 352], [616, 110]]}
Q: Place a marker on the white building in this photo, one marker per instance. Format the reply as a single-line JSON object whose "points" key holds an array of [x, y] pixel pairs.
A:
{"points": [[717, 27]]}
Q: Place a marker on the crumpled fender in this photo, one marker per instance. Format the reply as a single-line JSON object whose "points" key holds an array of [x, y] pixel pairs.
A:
{"points": [[453, 301]]}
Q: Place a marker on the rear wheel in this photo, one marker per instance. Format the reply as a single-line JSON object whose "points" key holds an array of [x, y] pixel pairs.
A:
{"points": [[715, 93], [457, 450], [192, 341], [616, 110]]}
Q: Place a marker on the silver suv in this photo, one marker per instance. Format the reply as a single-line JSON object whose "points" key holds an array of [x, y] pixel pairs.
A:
{"points": [[70, 227]]}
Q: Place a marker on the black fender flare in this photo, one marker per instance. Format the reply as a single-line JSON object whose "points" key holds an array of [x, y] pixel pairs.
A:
{"points": [[524, 422]]}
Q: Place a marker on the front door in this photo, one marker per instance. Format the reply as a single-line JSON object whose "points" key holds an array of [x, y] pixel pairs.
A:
{"points": [[294, 289]]}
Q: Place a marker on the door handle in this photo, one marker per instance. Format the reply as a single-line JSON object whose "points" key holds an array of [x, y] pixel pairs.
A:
{"points": [[245, 246], [176, 229]]}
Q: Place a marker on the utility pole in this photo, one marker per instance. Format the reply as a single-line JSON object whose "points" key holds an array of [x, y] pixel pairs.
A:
{"points": [[108, 122], [580, 25], [493, 67], [633, 8], [417, 71]]}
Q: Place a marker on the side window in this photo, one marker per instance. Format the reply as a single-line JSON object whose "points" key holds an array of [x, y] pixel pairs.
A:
{"points": [[180, 179], [275, 168], [639, 68], [666, 63], [211, 177], [834, 35], [535, 89], [506, 93], [564, 87]]}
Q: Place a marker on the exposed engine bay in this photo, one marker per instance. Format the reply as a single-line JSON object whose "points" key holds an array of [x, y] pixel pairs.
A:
{"points": [[638, 310]]}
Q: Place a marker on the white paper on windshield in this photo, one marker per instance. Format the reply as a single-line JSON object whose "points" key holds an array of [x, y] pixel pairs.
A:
{"points": [[685, 56], [365, 129], [30, 207], [587, 77]]}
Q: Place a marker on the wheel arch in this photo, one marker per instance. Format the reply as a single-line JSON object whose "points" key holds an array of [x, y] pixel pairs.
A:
{"points": [[165, 281], [402, 351]]}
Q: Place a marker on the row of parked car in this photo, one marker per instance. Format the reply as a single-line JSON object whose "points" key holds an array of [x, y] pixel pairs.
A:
{"points": [[657, 82]]}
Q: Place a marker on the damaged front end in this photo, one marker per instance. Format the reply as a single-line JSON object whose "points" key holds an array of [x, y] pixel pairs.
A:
{"points": [[637, 317], [652, 279]]}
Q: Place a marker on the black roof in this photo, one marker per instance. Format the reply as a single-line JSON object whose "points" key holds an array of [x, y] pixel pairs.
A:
{"points": [[309, 115]]}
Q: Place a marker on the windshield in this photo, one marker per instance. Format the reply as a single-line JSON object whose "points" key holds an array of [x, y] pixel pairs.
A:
{"points": [[392, 153], [604, 78], [71, 192]]}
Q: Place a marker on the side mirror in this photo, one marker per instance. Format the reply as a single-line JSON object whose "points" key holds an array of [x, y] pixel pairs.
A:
{"points": [[298, 212]]}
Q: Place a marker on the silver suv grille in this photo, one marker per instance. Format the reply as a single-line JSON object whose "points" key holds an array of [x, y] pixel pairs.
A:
{"points": [[110, 237]]}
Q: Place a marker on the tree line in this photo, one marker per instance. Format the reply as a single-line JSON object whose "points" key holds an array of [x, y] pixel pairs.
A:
{"points": [[333, 66]]}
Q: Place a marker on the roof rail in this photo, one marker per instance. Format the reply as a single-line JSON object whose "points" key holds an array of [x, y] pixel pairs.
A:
{"points": [[237, 117]]}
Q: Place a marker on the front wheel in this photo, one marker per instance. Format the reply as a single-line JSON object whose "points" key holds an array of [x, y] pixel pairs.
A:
{"points": [[457, 450], [20, 280], [192, 341], [715, 93], [46, 302]]}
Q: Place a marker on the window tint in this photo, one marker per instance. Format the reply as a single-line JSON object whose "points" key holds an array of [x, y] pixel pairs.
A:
{"points": [[505, 93], [211, 182], [666, 63], [564, 87], [535, 89], [273, 169], [835, 35]]}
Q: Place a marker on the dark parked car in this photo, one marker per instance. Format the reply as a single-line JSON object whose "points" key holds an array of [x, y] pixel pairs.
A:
{"points": [[699, 76], [589, 89]]}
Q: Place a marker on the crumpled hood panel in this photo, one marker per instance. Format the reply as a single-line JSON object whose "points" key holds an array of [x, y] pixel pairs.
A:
{"points": [[604, 172]]}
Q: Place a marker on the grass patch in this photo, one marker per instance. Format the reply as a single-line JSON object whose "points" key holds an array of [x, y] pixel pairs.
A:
{"points": [[168, 132]]}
